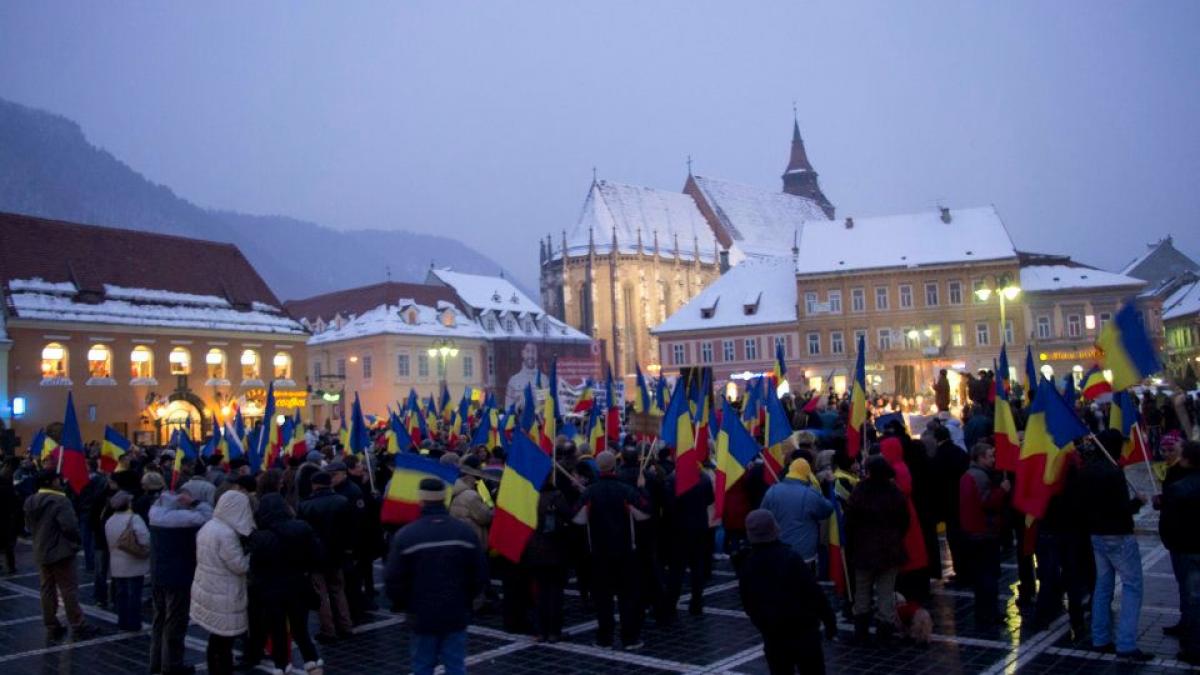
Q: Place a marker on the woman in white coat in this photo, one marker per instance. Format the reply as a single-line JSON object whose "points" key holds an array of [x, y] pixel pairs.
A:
{"points": [[127, 569], [219, 588]]}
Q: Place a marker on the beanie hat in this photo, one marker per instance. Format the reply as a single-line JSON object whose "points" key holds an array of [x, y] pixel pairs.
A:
{"points": [[431, 490], [120, 501], [761, 527], [153, 481], [321, 478], [606, 462]]}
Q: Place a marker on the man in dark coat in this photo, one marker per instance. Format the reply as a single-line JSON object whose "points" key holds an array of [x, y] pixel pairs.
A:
{"points": [[782, 599], [982, 502], [946, 468], [435, 568], [876, 520], [332, 518], [174, 521], [56, 540], [1180, 504], [688, 542], [359, 539]]}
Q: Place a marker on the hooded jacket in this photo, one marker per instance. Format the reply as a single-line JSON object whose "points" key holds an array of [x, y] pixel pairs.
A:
{"points": [[173, 529], [892, 450], [799, 509], [284, 551], [467, 506], [54, 525], [876, 520], [219, 589]]}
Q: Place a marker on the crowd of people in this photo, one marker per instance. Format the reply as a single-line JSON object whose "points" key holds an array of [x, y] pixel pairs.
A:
{"points": [[247, 555]]}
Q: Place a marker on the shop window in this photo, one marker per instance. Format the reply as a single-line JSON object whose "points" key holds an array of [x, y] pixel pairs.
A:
{"points": [[214, 363], [54, 361], [181, 361], [251, 365], [99, 362], [283, 366], [141, 363]]}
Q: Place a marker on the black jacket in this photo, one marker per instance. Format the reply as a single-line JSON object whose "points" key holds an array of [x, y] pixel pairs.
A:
{"points": [[779, 591], [1104, 498], [548, 545], [876, 520], [359, 507], [1181, 503], [332, 519], [435, 569], [283, 551], [610, 522], [687, 514], [173, 556], [946, 468]]}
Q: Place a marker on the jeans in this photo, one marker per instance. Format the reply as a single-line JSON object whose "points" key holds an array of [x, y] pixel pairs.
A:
{"points": [[1189, 640], [1116, 554], [430, 649], [169, 628], [129, 602]]}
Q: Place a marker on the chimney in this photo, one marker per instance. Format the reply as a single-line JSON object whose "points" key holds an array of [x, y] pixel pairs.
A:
{"points": [[724, 260], [849, 223], [945, 214]]}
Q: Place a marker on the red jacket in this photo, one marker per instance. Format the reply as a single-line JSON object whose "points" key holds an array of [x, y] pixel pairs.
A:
{"points": [[980, 511]]}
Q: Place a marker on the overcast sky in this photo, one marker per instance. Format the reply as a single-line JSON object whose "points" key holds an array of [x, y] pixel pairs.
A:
{"points": [[1080, 121]]}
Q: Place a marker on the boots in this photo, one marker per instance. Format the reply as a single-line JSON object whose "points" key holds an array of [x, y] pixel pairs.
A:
{"points": [[862, 629]]}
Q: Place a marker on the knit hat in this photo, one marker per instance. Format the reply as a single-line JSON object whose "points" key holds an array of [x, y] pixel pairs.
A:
{"points": [[804, 439], [321, 478], [606, 462], [120, 501], [431, 490], [799, 469], [153, 481], [761, 527]]}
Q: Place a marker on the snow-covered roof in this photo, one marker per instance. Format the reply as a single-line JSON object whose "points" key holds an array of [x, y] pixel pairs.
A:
{"points": [[630, 211], [770, 282], [1036, 278], [56, 301], [759, 221], [412, 319], [1183, 302], [481, 292], [909, 240], [525, 326]]}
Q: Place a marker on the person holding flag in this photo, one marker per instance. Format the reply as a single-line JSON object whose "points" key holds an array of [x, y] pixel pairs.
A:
{"points": [[56, 540], [856, 424]]}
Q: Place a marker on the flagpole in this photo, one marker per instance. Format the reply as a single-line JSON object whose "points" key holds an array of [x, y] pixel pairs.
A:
{"points": [[1146, 458]]}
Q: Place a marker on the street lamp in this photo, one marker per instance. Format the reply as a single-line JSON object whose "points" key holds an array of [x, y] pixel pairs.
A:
{"points": [[1006, 289], [443, 349]]}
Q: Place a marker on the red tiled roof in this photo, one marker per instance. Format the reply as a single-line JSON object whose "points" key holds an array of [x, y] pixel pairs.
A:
{"points": [[359, 300], [90, 256]]}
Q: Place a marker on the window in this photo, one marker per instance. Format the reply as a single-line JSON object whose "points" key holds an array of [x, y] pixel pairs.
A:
{"points": [[99, 362], [491, 365], [214, 364], [282, 364], [912, 338], [251, 365], [340, 367], [906, 298], [727, 350], [931, 294], [837, 344], [780, 345], [181, 361], [403, 368], [954, 290], [1074, 326], [934, 334], [141, 363], [885, 339], [957, 335], [422, 365], [859, 334], [1008, 331], [751, 349], [706, 352], [1105, 317], [810, 302], [835, 302], [468, 367], [318, 367], [677, 354], [814, 344], [368, 367], [975, 286], [858, 300], [983, 334], [1044, 331], [54, 360], [881, 297]]}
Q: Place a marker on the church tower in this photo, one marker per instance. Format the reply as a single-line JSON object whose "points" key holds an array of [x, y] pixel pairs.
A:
{"points": [[799, 178]]}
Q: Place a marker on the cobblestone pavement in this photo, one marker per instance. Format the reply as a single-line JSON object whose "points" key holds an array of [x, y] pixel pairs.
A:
{"points": [[721, 640]]}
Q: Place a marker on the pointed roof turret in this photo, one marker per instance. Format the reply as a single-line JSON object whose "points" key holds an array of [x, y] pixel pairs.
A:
{"points": [[799, 159], [800, 178]]}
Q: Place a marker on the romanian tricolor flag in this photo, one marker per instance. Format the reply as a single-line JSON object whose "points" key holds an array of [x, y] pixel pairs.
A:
{"points": [[114, 446], [1050, 434], [837, 557], [777, 434], [400, 502], [1126, 349], [587, 399], [72, 464], [660, 396], [735, 450], [516, 516], [488, 433], [856, 425], [1004, 427], [269, 438], [612, 416], [1124, 416], [1031, 378], [176, 469], [780, 363], [231, 446], [42, 446], [210, 447], [360, 438], [642, 403], [550, 412], [397, 436], [678, 432], [1094, 385]]}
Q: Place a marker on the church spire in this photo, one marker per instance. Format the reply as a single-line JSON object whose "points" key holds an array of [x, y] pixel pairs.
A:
{"points": [[800, 178]]}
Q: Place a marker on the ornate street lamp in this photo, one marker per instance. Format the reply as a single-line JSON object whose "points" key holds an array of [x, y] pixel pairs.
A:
{"points": [[442, 349], [1006, 289]]}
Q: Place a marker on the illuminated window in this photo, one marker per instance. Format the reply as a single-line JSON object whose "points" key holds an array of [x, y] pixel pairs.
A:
{"points": [[214, 363], [54, 360], [251, 365], [957, 335], [283, 366], [99, 362], [141, 363], [181, 361]]}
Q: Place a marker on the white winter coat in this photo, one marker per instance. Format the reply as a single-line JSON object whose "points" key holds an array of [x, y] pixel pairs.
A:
{"points": [[219, 588], [121, 564]]}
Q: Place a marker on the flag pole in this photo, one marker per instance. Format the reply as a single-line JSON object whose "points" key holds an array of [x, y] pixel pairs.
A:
{"points": [[1146, 458]]}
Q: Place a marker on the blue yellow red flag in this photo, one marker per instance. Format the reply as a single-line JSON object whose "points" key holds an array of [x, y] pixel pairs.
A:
{"points": [[1094, 385], [401, 504], [1004, 426], [736, 449], [111, 449], [856, 425], [516, 515], [1126, 349]]}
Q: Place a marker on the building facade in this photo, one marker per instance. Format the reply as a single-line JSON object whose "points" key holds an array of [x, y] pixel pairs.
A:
{"points": [[1173, 278], [150, 333]]}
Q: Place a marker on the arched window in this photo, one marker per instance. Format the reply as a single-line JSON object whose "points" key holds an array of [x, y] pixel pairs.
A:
{"points": [[181, 361], [54, 361], [283, 366], [99, 362], [251, 366], [141, 363], [214, 362]]}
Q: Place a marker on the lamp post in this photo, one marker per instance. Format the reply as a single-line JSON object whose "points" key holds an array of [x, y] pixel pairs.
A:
{"points": [[442, 349], [1006, 289]]}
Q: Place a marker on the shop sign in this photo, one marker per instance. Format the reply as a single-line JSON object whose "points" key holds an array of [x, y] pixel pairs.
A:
{"points": [[1068, 355]]}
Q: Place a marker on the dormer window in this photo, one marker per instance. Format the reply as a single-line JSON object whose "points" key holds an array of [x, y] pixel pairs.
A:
{"points": [[527, 325], [708, 310], [489, 323], [750, 304], [509, 324], [496, 296], [447, 318], [514, 299]]}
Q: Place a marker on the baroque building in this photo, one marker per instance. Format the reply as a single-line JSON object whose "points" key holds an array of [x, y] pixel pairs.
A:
{"points": [[636, 254]]}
